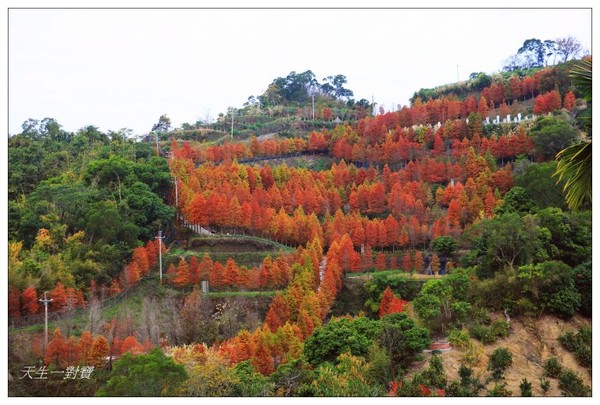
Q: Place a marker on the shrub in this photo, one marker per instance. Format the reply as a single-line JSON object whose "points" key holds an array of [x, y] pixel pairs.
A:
{"points": [[500, 329], [552, 367], [473, 355], [580, 344], [483, 334], [434, 375], [499, 390], [571, 385], [459, 338], [500, 360], [545, 385], [525, 388]]}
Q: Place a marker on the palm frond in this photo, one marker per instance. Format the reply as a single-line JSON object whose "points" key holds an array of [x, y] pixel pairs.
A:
{"points": [[581, 75], [575, 167]]}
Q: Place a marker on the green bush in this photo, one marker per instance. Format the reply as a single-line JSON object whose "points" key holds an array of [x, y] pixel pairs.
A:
{"points": [[483, 334], [500, 329], [571, 385], [580, 344], [499, 390], [459, 338], [525, 388], [552, 367], [500, 360], [489, 334], [545, 385]]}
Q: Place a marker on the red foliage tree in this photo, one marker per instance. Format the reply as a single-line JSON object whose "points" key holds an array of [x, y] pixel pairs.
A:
{"points": [[216, 275], [131, 345], [418, 262], [183, 276], [569, 101], [14, 302], [29, 301], [140, 257], [59, 297], [57, 350], [407, 262], [86, 342], [483, 107], [171, 273], [132, 274], [380, 262], [553, 101], [540, 107], [99, 352], [504, 110], [390, 304], [114, 288], [231, 274]]}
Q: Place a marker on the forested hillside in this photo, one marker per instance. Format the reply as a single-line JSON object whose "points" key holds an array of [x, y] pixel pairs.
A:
{"points": [[310, 245]]}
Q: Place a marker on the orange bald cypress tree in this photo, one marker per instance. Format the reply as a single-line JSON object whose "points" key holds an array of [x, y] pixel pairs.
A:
{"points": [[140, 257], [183, 276], [29, 301], [380, 262], [56, 352], [131, 345], [85, 346], [99, 352], [14, 302]]}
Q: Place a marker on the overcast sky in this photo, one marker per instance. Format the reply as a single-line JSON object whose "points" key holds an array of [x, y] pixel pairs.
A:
{"points": [[124, 68]]}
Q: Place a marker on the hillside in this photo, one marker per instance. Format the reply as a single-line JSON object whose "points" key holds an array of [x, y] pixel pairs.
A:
{"points": [[309, 256], [531, 342]]}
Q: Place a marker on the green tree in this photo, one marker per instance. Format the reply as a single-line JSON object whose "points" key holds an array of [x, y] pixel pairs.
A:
{"points": [[500, 360], [341, 335], [163, 124], [251, 383], [402, 339], [151, 375], [583, 282], [517, 200], [428, 308], [507, 241], [551, 134], [434, 375], [538, 182]]}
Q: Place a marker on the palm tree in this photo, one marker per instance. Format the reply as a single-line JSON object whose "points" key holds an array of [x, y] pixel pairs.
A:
{"points": [[575, 162]]}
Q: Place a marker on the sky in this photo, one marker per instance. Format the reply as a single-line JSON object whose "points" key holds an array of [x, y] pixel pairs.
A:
{"points": [[123, 68]]}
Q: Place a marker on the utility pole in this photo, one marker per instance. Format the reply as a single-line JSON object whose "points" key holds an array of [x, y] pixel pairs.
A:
{"points": [[176, 195], [157, 152], [45, 301], [232, 111], [372, 105], [160, 238]]}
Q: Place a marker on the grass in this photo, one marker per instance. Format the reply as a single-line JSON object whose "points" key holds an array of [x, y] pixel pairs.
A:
{"points": [[275, 245], [248, 294], [369, 274], [79, 319], [250, 259]]}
